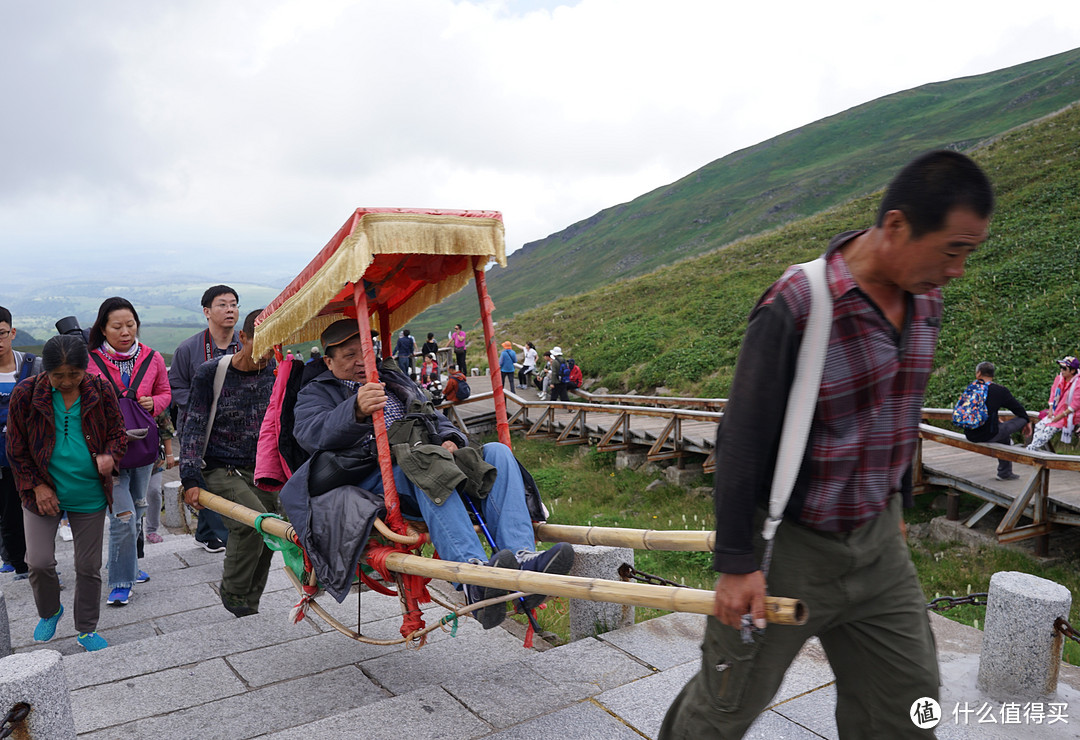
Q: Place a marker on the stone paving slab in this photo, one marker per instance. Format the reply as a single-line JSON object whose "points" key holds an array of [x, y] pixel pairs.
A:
{"points": [[643, 703], [498, 694], [100, 706], [663, 642], [427, 713], [199, 643], [442, 661], [581, 720], [593, 665], [255, 713]]}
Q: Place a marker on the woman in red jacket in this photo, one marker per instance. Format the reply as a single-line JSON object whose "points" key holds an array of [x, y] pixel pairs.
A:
{"points": [[117, 355], [65, 434]]}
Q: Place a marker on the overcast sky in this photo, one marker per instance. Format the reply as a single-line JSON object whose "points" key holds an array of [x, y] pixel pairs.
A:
{"points": [[179, 135]]}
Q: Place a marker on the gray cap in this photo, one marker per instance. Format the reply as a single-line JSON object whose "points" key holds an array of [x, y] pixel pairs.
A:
{"points": [[340, 331]]}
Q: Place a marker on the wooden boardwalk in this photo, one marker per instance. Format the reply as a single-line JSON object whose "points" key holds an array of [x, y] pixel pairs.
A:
{"points": [[1046, 496]]}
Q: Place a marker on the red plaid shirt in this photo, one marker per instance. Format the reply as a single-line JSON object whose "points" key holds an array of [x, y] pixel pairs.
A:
{"points": [[866, 423]]}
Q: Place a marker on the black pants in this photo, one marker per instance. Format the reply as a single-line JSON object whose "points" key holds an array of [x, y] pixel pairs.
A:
{"points": [[459, 355], [558, 392], [11, 521]]}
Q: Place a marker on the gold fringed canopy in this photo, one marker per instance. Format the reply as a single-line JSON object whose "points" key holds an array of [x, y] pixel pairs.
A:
{"points": [[408, 259]]}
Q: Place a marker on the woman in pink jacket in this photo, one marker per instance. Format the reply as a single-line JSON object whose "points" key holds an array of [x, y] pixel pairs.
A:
{"points": [[117, 355], [1064, 402]]}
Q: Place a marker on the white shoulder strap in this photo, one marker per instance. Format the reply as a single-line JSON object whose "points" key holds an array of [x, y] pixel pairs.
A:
{"points": [[803, 396], [219, 383]]}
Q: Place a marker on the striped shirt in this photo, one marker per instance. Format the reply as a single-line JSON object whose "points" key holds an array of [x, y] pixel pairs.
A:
{"points": [[866, 422]]}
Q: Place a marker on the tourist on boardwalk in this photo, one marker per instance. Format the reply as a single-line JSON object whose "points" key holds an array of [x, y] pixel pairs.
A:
{"points": [[334, 412], [528, 364], [454, 379], [431, 347], [1063, 404], [65, 436], [558, 376], [543, 380], [166, 461], [221, 307], [458, 340], [993, 431], [316, 356], [839, 548], [220, 457], [14, 367], [507, 358], [117, 355], [403, 351]]}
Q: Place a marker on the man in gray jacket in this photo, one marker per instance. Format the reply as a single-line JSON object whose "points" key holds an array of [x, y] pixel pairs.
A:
{"points": [[334, 412]]}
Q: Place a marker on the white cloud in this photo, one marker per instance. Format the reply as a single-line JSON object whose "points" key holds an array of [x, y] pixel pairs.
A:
{"points": [[203, 129]]}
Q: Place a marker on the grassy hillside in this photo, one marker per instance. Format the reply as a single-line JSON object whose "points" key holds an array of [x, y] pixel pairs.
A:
{"points": [[681, 326], [778, 181]]}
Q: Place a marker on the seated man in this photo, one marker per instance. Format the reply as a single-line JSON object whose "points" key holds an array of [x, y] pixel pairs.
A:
{"points": [[334, 412]]}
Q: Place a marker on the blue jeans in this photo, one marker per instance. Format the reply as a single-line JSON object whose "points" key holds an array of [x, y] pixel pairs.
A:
{"points": [[504, 510], [125, 522]]}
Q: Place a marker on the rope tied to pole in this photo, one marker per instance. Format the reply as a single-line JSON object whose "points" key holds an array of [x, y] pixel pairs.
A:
{"points": [[413, 589]]}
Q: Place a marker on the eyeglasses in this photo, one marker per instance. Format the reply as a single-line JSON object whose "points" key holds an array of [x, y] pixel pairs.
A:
{"points": [[5, 333], [225, 305]]}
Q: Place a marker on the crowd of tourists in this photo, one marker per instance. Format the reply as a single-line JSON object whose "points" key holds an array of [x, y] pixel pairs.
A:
{"points": [[91, 425]]}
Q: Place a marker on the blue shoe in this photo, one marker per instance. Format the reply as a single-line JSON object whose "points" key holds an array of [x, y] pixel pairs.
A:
{"points": [[21, 576], [46, 628], [559, 559], [118, 596], [7, 568], [143, 577], [91, 641]]}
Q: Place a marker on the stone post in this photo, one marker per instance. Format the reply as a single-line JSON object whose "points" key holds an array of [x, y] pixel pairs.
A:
{"points": [[37, 678], [5, 631], [1021, 650], [589, 618], [176, 515]]}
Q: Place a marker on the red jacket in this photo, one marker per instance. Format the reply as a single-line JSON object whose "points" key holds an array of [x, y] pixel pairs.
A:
{"points": [[31, 432]]}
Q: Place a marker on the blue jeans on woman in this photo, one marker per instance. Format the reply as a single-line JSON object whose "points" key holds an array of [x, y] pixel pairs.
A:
{"points": [[504, 510], [125, 522]]}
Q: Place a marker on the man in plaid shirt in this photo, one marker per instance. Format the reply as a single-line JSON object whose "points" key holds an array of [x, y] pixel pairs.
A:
{"points": [[840, 547]]}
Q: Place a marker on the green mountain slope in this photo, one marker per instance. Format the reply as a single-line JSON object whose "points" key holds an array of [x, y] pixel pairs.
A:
{"points": [[780, 180], [681, 326]]}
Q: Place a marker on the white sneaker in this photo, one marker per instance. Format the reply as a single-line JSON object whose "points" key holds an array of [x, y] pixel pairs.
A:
{"points": [[65, 533]]}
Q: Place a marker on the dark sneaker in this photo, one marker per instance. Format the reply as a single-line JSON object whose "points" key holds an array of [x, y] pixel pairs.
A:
{"points": [[212, 545], [236, 605], [491, 616], [1008, 476], [559, 559]]}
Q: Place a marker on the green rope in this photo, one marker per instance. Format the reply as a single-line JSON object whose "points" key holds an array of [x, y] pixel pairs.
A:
{"points": [[450, 618]]}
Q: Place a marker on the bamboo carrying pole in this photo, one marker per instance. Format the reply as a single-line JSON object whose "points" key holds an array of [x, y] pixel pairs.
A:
{"points": [[638, 539], [778, 610]]}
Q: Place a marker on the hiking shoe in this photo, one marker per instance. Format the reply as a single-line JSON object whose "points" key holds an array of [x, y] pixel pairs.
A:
{"points": [[46, 627], [154, 538], [236, 605], [1008, 476], [65, 532], [7, 568], [21, 576], [558, 560], [490, 616], [143, 577], [91, 641], [118, 596], [212, 545]]}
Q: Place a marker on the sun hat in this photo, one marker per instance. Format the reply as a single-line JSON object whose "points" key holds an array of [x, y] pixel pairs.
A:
{"points": [[507, 345], [1070, 362], [556, 351]]}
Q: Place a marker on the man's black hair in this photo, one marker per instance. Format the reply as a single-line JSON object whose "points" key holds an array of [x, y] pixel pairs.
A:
{"points": [[5, 316], [116, 303], [249, 322], [457, 326], [932, 185], [431, 335], [65, 349], [214, 291], [405, 332]]}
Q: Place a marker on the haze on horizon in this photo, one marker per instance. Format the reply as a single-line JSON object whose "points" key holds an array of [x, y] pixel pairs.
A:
{"points": [[232, 139]]}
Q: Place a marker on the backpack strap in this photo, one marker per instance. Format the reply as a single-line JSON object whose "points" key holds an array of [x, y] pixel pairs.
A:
{"points": [[26, 365], [133, 387], [219, 383], [105, 373]]}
